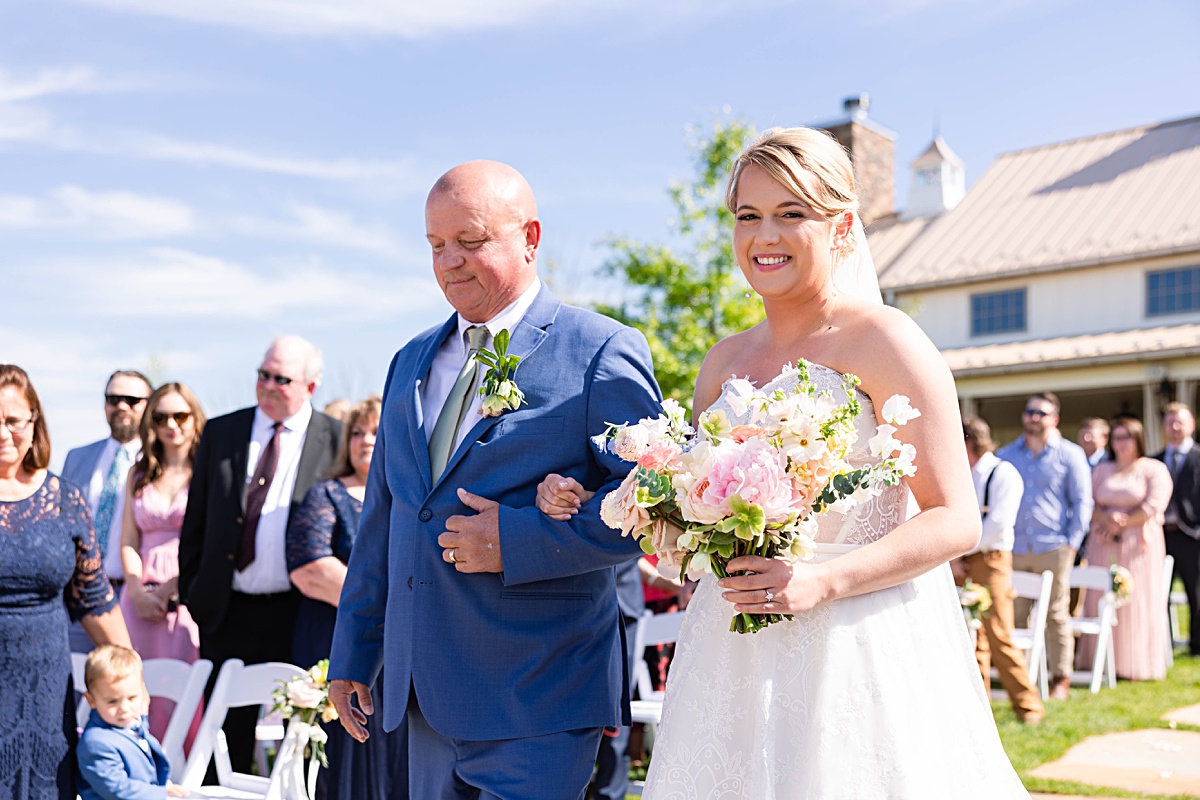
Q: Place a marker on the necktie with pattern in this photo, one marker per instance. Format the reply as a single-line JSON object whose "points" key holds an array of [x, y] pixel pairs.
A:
{"points": [[445, 431], [106, 509], [256, 496]]}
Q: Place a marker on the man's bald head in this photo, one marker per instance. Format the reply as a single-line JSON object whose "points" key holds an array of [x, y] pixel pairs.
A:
{"points": [[481, 221]]}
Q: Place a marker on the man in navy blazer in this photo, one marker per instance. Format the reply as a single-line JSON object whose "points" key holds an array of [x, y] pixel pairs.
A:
{"points": [[499, 626]]}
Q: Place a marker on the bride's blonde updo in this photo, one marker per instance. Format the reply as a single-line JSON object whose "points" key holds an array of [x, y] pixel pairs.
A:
{"points": [[810, 164]]}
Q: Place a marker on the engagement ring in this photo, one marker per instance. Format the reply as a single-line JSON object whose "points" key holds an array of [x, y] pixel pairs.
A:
{"points": [[769, 595]]}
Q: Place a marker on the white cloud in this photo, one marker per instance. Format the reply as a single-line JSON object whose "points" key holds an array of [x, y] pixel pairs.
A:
{"points": [[310, 223], [56, 80], [180, 284], [20, 123], [106, 215]]}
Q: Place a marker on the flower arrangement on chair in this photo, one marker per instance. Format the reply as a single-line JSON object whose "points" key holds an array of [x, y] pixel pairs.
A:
{"points": [[304, 702], [975, 599], [1122, 584]]}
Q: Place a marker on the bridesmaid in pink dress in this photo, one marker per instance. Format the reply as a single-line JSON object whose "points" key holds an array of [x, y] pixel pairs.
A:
{"points": [[156, 498], [1131, 493]]}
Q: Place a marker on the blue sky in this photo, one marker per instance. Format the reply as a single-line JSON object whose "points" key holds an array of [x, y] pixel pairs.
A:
{"points": [[180, 181]]}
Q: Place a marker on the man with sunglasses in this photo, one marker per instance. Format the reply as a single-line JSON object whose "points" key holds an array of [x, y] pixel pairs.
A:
{"points": [[99, 470], [252, 469], [1055, 512]]}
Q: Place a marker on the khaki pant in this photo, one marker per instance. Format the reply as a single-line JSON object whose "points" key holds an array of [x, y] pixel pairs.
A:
{"points": [[994, 570], [1060, 641]]}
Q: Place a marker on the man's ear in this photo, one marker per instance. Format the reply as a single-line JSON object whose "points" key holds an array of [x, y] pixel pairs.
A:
{"points": [[533, 238]]}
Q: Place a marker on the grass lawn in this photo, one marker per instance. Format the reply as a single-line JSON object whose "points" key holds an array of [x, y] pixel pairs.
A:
{"points": [[1129, 706]]}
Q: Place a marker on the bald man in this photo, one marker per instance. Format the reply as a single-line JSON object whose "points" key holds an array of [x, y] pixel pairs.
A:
{"points": [[499, 626], [252, 469]]}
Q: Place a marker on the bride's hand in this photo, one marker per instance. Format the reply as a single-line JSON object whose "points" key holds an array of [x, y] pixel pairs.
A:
{"points": [[560, 498], [794, 588]]}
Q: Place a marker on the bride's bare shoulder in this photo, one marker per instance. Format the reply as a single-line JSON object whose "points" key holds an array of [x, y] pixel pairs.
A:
{"points": [[897, 344]]}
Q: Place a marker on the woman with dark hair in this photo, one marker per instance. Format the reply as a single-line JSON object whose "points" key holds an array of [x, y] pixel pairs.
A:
{"points": [[155, 498], [1131, 493], [48, 555], [319, 539]]}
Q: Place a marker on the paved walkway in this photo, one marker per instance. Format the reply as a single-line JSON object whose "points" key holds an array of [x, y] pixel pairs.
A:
{"points": [[1151, 761]]}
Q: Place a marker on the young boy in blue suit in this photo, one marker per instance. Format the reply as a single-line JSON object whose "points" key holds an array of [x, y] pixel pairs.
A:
{"points": [[118, 758]]}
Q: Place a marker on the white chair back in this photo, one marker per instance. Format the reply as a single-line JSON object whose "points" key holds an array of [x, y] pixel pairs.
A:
{"points": [[1032, 637], [237, 685], [1169, 641], [653, 629], [1097, 579]]}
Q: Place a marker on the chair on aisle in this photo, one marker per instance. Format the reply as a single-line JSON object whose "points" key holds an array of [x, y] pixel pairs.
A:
{"points": [[168, 679], [237, 686], [1169, 642], [1032, 637], [653, 629], [1097, 579]]}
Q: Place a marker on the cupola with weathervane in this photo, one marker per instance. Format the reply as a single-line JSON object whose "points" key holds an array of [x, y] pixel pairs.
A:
{"points": [[938, 182]]}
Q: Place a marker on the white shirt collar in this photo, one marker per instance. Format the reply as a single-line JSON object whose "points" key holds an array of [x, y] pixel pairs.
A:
{"points": [[985, 463], [296, 422], [1183, 448], [507, 319]]}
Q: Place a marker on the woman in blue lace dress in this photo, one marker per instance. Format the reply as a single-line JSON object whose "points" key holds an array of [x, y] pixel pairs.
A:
{"points": [[50, 567], [319, 539]]}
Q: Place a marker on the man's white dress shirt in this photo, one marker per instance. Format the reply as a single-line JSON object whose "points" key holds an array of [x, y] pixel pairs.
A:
{"points": [[268, 573], [1004, 501]]}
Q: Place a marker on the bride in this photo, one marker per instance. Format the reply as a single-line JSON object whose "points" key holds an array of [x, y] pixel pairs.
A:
{"points": [[872, 690]]}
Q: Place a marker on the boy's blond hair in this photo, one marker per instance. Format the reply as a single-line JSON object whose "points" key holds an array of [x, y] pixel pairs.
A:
{"points": [[110, 662]]}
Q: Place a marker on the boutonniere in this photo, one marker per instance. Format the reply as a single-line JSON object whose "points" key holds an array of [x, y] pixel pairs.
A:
{"points": [[499, 389]]}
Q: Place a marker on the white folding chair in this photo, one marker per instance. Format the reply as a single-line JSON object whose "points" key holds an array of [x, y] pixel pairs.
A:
{"points": [[183, 684], [1032, 638], [1097, 579], [1169, 642], [237, 686], [653, 629]]}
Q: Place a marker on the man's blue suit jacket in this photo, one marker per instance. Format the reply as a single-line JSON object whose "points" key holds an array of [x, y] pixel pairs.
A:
{"points": [[81, 463], [537, 648], [115, 767]]}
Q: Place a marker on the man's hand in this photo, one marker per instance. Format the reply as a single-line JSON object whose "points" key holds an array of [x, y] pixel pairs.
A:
{"points": [[353, 720], [472, 544]]}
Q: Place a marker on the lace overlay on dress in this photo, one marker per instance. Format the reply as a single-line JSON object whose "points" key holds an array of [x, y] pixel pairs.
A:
{"points": [[875, 697]]}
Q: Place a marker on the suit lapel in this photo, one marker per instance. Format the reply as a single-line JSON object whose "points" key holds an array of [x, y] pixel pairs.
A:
{"points": [[527, 337], [241, 452], [315, 446], [414, 411]]}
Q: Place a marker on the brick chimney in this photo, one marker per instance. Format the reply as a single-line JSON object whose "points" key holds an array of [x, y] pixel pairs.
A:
{"points": [[873, 152]]}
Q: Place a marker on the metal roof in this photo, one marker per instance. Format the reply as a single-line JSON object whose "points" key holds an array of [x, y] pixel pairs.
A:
{"points": [[1101, 199], [1070, 351]]}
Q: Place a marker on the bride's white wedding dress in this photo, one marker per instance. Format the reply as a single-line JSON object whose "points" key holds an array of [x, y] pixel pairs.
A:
{"points": [[870, 697]]}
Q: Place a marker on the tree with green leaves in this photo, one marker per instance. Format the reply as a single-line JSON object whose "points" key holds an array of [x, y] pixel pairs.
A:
{"points": [[685, 302]]}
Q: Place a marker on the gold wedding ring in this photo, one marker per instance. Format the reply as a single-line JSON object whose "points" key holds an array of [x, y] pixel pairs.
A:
{"points": [[453, 558]]}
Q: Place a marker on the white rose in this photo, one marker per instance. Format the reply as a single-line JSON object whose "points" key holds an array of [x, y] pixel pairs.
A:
{"points": [[302, 693]]}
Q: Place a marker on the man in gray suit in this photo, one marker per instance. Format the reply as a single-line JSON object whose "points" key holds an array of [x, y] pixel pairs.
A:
{"points": [[99, 470]]}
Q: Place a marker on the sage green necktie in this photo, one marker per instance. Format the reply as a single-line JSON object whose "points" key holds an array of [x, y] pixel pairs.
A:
{"points": [[445, 431]]}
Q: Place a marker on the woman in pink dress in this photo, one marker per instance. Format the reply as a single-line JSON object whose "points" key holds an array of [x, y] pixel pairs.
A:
{"points": [[156, 498], [1131, 493]]}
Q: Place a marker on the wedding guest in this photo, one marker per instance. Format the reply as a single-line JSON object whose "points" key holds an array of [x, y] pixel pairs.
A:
{"points": [[100, 470], [50, 567], [338, 408], [1131, 493], [998, 488], [119, 758], [156, 498], [319, 539], [1093, 438], [252, 469], [1182, 526], [1055, 510]]}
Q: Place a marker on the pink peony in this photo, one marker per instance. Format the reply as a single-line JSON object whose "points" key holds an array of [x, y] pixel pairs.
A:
{"points": [[620, 509], [753, 470], [659, 455]]}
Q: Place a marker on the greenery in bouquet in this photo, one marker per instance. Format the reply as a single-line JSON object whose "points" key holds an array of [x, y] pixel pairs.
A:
{"points": [[1122, 584], [976, 599], [699, 498], [305, 699]]}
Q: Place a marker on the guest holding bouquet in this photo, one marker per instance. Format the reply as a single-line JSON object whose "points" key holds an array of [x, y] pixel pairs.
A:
{"points": [[319, 539], [48, 555], [1131, 492], [156, 495]]}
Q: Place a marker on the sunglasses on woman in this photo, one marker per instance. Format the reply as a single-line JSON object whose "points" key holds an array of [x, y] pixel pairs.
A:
{"points": [[160, 417]]}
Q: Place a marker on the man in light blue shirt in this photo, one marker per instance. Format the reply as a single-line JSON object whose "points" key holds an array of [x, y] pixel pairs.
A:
{"points": [[1055, 512]]}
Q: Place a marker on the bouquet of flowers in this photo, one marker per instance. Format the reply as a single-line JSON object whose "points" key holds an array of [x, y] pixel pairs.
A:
{"points": [[305, 701], [1122, 584], [699, 498], [975, 599]]}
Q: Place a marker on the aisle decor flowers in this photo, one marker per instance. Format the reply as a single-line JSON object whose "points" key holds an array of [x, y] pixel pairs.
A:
{"points": [[304, 701], [975, 599], [700, 497], [1122, 584], [499, 385]]}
